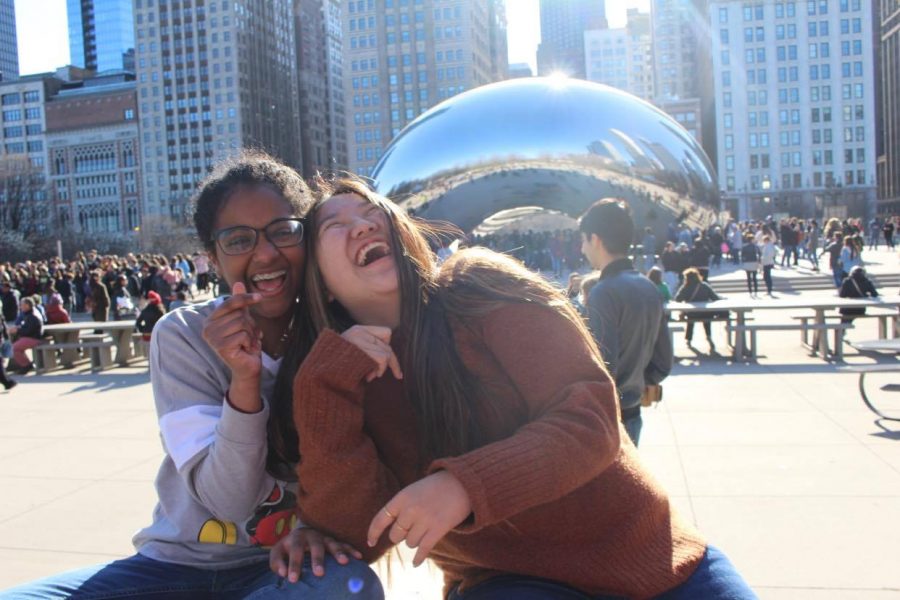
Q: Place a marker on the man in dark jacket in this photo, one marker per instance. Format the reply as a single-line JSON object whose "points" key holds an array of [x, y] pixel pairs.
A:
{"points": [[10, 298], [625, 311]]}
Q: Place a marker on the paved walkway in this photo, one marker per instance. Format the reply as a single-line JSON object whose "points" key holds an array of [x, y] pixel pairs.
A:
{"points": [[779, 463]]}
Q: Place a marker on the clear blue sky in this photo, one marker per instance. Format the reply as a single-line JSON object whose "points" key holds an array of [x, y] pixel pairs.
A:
{"points": [[44, 42]]}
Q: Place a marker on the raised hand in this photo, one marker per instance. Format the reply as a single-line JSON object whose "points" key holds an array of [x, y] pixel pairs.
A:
{"points": [[423, 513], [376, 342], [286, 557], [232, 332]]}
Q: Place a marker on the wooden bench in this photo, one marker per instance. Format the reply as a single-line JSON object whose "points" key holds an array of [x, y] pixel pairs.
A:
{"points": [[753, 329], [864, 370], [98, 347]]}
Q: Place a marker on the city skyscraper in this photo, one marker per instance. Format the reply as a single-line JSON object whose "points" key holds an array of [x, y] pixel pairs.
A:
{"points": [[796, 91], [9, 51], [682, 64], [405, 56], [212, 78], [623, 57], [889, 159], [323, 129], [563, 23], [101, 34]]}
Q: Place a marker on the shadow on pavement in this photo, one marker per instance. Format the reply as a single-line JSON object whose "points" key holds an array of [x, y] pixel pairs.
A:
{"points": [[705, 365], [99, 382]]}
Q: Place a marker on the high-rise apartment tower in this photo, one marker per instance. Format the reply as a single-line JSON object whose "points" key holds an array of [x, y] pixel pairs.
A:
{"points": [[323, 129], [101, 34], [212, 78], [563, 23], [889, 160], [401, 57], [9, 52], [622, 58], [794, 83]]}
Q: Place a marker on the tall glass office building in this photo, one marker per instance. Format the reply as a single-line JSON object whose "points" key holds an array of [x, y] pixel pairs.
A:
{"points": [[9, 55], [101, 34]]}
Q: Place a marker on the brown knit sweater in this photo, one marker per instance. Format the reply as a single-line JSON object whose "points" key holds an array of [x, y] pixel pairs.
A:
{"points": [[560, 493]]}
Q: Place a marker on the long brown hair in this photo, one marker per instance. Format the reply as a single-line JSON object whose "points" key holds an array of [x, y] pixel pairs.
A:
{"points": [[470, 284]]}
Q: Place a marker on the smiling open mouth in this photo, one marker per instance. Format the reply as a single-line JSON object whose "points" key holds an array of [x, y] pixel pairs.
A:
{"points": [[268, 282], [372, 252]]}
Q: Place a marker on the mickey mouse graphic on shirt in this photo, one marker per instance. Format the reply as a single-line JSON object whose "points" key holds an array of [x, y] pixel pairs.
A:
{"points": [[271, 521]]}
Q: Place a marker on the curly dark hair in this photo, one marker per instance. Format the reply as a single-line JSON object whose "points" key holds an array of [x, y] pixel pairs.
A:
{"points": [[249, 169]]}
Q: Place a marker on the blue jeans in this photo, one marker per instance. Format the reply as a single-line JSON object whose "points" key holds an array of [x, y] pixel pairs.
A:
{"points": [[714, 579], [838, 274], [633, 426], [767, 277], [139, 577]]}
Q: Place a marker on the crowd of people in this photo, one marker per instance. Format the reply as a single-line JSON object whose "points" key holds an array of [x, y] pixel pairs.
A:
{"points": [[138, 287], [754, 246]]}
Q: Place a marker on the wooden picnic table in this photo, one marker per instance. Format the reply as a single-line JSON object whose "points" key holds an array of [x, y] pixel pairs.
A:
{"points": [[741, 307], [121, 332]]}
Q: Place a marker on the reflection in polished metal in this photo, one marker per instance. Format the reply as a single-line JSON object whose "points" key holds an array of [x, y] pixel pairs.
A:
{"points": [[555, 143]]}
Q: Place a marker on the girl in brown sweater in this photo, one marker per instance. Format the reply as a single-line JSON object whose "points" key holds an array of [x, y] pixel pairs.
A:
{"points": [[464, 411]]}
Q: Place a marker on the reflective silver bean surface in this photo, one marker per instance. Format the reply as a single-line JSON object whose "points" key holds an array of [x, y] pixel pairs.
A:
{"points": [[554, 143]]}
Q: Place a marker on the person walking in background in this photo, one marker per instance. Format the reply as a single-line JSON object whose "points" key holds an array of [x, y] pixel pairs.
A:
{"points": [[788, 243], [717, 246], [99, 299], [10, 297], [735, 239], [873, 233], [672, 265], [697, 290], [850, 256], [201, 264], [767, 254], [812, 244], [750, 264], [625, 311], [834, 258], [888, 230], [6, 343]]}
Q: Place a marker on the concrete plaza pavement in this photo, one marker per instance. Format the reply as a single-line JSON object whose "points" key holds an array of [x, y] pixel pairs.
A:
{"points": [[778, 462]]}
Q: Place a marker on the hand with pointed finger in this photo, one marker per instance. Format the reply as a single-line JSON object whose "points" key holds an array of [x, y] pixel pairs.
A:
{"points": [[376, 342], [232, 332], [286, 557], [423, 513]]}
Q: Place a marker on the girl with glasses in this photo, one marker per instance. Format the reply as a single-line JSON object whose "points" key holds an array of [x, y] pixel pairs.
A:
{"points": [[226, 487]]}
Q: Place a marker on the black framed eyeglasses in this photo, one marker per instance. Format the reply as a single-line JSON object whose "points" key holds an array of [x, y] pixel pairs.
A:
{"points": [[241, 239]]}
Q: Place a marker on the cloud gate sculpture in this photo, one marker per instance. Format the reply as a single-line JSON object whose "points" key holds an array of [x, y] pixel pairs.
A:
{"points": [[558, 144]]}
